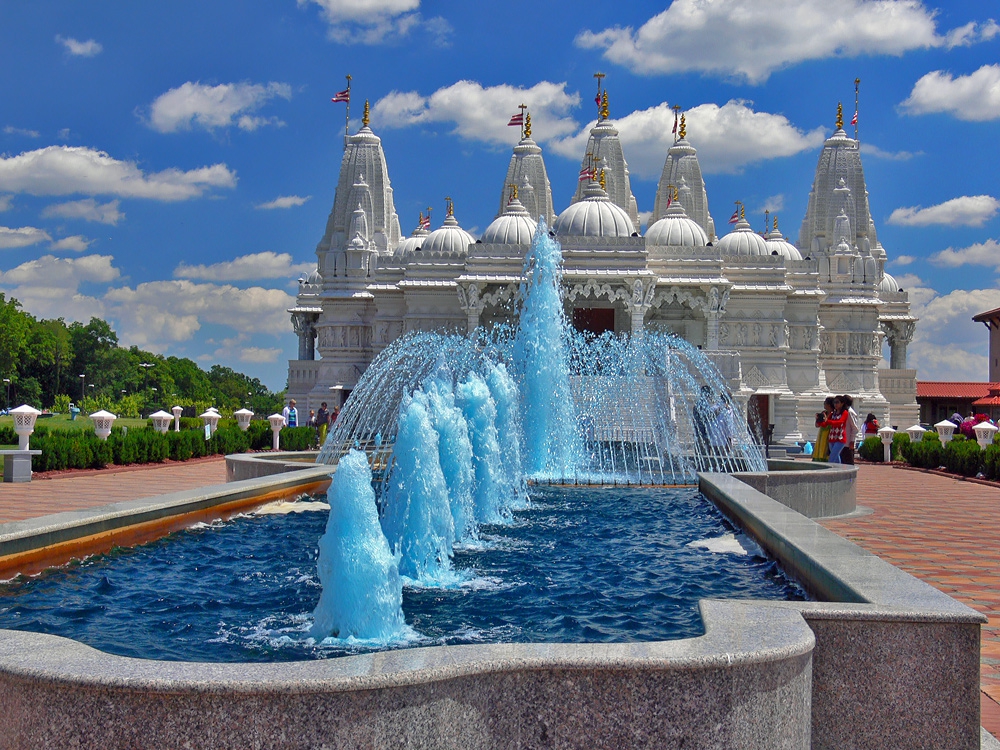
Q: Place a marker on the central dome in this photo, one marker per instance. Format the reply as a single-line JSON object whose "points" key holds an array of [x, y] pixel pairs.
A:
{"points": [[448, 238], [743, 241], [675, 229], [513, 227], [594, 216]]}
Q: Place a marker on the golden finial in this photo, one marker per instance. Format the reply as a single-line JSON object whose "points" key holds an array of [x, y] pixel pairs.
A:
{"points": [[743, 212], [420, 221], [840, 116], [603, 186], [604, 105], [527, 125], [513, 193], [775, 222], [365, 117], [683, 131], [677, 196], [450, 204]]}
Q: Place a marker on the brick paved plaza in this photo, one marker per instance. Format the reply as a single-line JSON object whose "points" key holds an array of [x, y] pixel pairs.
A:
{"points": [[941, 530]]}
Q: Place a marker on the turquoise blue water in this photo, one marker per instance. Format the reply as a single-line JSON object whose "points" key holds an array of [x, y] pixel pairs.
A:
{"points": [[578, 565]]}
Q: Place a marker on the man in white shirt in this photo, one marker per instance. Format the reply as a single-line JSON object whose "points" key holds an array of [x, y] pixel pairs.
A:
{"points": [[290, 414], [851, 430]]}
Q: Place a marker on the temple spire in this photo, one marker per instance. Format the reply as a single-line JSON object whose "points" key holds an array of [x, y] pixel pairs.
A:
{"points": [[527, 125], [365, 118], [604, 105], [840, 116], [683, 132]]}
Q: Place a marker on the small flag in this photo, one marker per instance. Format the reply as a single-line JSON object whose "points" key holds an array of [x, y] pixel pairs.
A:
{"points": [[675, 126], [342, 96], [587, 174], [517, 119], [735, 217], [670, 199], [854, 120], [597, 99], [425, 222]]}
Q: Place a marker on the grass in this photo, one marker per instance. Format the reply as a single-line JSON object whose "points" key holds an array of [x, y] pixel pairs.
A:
{"points": [[62, 422]]}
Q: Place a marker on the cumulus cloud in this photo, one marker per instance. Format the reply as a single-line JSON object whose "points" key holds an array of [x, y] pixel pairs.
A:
{"points": [[376, 21], [975, 97], [980, 254], [283, 201], [968, 210], [774, 203], [947, 344], [902, 260], [6, 201], [63, 170], [211, 107], [11, 130], [265, 265], [62, 273], [87, 210], [870, 149], [749, 40], [236, 348], [728, 138], [22, 237], [89, 48], [77, 243], [481, 113]]}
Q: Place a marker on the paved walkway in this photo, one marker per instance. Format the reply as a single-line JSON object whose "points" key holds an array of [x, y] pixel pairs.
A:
{"points": [[77, 490], [946, 533], [940, 530]]}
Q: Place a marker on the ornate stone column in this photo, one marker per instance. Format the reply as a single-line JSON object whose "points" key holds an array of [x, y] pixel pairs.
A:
{"points": [[714, 311], [900, 334], [470, 302], [304, 325], [638, 303]]}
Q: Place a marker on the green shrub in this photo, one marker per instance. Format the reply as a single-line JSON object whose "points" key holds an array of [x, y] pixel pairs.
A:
{"points": [[7, 435], [297, 438], [898, 441], [927, 453], [60, 405], [259, 434], [963, 457], [871, 449], [991, 461]]}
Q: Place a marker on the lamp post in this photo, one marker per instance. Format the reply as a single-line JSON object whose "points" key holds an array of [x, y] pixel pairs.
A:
{"points": [[145, 373], [83, 385], [6, 403]]}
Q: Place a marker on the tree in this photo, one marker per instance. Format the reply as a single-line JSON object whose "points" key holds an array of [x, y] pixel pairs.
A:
{"points": [[14, 328]]}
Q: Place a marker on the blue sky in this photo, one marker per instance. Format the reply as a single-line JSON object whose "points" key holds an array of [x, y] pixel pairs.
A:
{"points": [[170, 166]]}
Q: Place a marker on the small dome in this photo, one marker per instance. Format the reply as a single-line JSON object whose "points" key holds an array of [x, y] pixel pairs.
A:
{"points": [[776, 243], [888, 285], [314, 277], [675, 229], [594, 216], [448, 238], [412, 243], [743, 241], [513, 227]]}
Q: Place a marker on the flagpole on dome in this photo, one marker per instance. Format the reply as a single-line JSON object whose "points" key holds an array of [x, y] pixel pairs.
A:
{"points": [[345, 97], [854, 122], [677, 111], [597, 99]]}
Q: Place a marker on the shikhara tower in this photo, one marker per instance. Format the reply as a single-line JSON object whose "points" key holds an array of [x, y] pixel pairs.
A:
{"points": [[786, 324]]}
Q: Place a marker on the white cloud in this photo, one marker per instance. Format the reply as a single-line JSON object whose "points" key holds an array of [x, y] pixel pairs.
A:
{"points": [[727, 138], [62, 273], [748, 39], [968, 210], [63, 170], [774, 203], [77, 243], [370, 21], [11, 130], [902, 260], [87, 209], [981, 254], [283, 201], [480, 113], [6, 201], [22, 237], [947, 344], [236, 349], [975, 97], [870, 149], [265, 265], [89, 48], [211, 107]]}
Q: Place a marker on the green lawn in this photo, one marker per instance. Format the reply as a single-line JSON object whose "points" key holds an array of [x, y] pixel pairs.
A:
{"points": [[62, 422]]}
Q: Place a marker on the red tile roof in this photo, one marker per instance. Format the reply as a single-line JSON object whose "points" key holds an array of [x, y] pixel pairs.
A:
{"points": [[945, 389]]}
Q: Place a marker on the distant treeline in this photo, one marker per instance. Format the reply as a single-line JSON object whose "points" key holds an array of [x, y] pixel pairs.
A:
{"points": [[44, 361]]}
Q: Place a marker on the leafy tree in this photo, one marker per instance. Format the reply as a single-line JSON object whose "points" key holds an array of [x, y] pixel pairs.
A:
{"points": [[14, 328]]}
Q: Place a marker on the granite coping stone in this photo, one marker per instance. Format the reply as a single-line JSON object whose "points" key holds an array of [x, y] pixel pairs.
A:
{"points": [[22, 536]]}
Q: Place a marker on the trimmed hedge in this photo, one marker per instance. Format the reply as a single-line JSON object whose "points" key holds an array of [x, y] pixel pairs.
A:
{"points": [[927, 453], [963, 457], [871, 449]]}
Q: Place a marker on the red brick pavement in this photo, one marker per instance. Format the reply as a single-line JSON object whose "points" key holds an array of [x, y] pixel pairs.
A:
{"points": [[77, 490], [946, 533]]}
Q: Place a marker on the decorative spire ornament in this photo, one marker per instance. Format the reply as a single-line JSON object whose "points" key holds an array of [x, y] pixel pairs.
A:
{"points": [[527, 125], [840, 116], [684, 131], [450, 204], [602, 181], [604, 105], [365, 118], [677, 110], [513, 193]]}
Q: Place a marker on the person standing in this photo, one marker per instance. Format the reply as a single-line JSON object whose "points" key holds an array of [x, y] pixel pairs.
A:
{"points": [[852, 429], [322, 422], [822, 450], [836, 422], [290, 414]]}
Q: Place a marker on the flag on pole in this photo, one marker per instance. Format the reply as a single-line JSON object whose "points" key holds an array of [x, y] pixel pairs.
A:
{"points": [[342, 96], [587, 174], [517, 119], [675, 125], [670, 199], [735, 217], [425, 222], [854, 120]]}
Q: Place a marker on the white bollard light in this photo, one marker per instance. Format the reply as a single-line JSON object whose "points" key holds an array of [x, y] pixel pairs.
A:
{"points": [[916, 433], [211, 420], [102, 423], [945, 429], [161, 421], [24, 424], [177, 411], [886, 434], [984, 434], [243, 417], [277, 422]]}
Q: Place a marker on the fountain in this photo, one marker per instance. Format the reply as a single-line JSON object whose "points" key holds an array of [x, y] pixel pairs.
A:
{"points": [[454, 428]]}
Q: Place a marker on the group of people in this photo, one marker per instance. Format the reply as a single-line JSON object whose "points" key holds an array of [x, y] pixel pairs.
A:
{"points": [[839, 430], [321, 420]]}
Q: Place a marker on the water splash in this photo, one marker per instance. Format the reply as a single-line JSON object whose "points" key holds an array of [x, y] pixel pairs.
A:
{"points": [[479, 408], [362, 591]]}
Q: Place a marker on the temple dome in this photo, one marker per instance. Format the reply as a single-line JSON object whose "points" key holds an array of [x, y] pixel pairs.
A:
{"points": [[888, 285], [594, 216], [776, 243], [513, 227], [449, 238], [743, 241], [676, 229], [412, 243]]}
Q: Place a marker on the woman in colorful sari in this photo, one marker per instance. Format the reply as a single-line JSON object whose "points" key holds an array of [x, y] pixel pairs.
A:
{"points": [[837, 422], [822, 450]]}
